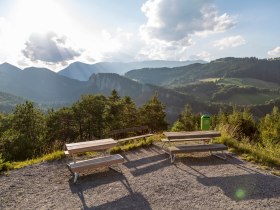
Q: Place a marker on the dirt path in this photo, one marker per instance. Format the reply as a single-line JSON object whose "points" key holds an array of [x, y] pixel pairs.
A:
{"points": [[148, 181]]}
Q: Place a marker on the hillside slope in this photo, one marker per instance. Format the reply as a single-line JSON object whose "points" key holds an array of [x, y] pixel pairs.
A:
{"points": [[39, 84], [82, 71], [261, 69]]}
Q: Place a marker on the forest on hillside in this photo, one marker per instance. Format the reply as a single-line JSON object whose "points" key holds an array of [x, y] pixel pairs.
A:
{"points": [[28, 132]]}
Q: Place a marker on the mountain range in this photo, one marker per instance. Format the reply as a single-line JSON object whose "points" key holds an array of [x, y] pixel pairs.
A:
{"points": [[262, 69], [230, 79], [82, 71]]}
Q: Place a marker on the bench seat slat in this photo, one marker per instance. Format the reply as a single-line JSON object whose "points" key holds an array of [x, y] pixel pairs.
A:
{"points": [[96, 162], [197, 148], [192, 134], [126, 130], [134, 137], [187, 139], [94, 145]]}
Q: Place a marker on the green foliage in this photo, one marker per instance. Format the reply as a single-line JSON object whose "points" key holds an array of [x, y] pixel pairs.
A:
{"points": [[153, 115], [6, 166], [187, 121], [28, 133], [270, 128], [133, 144], [254, 152], [25, 135], [60, 129], [239, 124]]}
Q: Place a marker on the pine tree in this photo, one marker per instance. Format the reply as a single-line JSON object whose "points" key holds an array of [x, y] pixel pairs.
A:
{"points": [[153, 115]]}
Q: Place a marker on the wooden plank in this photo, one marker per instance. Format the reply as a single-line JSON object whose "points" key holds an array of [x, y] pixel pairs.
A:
{"points": [[90, 146], [96, 163], [126, 130], [192, 134], [134, 137], [197, 148], [192, 139]]}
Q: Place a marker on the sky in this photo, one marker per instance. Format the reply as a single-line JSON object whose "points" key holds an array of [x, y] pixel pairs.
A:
{"points": [[55, 33]]}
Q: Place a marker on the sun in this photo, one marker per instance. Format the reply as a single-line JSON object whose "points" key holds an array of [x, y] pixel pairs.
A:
{"points": [[41, 16]]}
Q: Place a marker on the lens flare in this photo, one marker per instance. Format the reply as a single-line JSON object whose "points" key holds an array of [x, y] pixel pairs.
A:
{"points": [[240, 194]]}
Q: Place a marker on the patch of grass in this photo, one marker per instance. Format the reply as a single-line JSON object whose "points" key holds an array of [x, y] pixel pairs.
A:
{"points": [[268, 156], [6, 166], [134, 144], [247, 99], [57, 155], [248, 82], [211, 79]]}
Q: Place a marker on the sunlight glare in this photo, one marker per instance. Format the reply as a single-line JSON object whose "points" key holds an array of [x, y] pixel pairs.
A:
{"points": [[41, 16]]}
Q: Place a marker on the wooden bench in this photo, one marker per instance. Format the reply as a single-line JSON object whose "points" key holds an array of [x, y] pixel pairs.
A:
{"points": [[204, 136], [121, 134], [96, 145], [105, 161], [195, 148], [190, 136]]}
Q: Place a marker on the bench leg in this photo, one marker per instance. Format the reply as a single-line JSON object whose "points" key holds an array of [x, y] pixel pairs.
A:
{"points": [[117, 169], [76, 175], [223, 156], [68, 166], [172, 157]]}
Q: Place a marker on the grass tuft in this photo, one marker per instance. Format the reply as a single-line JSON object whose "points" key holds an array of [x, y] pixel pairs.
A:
{"points": [[268, 156], [6, 166]]}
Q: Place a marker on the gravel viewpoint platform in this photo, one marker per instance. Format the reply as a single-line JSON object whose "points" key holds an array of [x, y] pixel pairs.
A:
{"points": [[149, 181]]}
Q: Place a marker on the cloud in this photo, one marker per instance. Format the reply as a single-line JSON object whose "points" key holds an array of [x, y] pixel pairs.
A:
{"points": [[175, 20], [122, 45], [201, 56], [229, 42], [275, 52], [49, 48], [160, 50]]}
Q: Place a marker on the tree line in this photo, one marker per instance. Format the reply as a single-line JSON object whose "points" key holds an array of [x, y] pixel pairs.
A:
{"points": [[239, 123], [29, 132]]}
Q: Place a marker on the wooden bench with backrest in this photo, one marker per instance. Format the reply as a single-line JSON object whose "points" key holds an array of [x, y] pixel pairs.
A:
{"points": [[97, 145], [127, 134], [197, 136], [205, 136], [173, 150]]}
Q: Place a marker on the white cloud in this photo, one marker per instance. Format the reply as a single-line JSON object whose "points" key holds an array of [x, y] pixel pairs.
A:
{"points": [[49, 47], [275, 52], [120, 45], [229, 42], [171, 25], [161, 50], [206, 56], [174, 20]]}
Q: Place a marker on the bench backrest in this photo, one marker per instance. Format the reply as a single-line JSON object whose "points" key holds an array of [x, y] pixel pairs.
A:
{"points": [[126, 131]]}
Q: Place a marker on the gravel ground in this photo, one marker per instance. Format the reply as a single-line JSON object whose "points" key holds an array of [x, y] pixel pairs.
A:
{"points": [[148, 181]]}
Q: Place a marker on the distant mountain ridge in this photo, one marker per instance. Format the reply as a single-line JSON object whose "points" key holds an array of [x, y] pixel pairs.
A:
{"points": [[43, 86], [262, 69], [39, 84], [82, 71]]}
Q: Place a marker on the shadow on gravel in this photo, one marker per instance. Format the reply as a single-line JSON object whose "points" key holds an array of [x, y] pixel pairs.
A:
{"points": [[132, 201], [147, 164], [245, 187], [209, 160]]}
